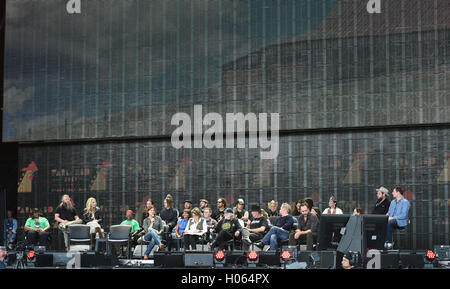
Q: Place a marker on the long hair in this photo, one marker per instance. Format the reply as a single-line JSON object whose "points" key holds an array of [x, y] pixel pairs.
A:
{"points": [[89, 209], [69, 205]]}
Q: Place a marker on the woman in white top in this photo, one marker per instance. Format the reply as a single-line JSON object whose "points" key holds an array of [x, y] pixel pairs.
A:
{"points": [[195, 228], [332, 210]]}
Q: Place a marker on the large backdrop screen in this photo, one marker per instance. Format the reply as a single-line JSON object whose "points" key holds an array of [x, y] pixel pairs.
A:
{"points": [[123, 67]]}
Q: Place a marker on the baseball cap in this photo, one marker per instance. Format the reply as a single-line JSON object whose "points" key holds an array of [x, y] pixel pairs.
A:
{"points": [[228, 211], [240, 201]]}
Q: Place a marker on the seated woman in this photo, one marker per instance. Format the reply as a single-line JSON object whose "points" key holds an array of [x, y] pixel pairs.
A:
{"points": [[93, 218], [181, 224], [153, 227], [195, 228]]}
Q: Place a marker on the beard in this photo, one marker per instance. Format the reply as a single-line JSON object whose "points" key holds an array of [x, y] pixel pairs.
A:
{"points": [[68, 206], [379, 200]]}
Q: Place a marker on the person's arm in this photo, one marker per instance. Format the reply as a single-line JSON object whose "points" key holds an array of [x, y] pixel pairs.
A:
{"points": [[160, 224], [245, 217], [14, 230], [288, 223], [176, 229], [58, 219], [27, 226], [46, 225], [174, 219], [391, 209]]}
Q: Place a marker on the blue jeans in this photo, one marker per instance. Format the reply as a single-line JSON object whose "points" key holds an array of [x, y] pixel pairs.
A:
{"points": [[272, 237], [8, 239], [392, 224], [153, 238]]}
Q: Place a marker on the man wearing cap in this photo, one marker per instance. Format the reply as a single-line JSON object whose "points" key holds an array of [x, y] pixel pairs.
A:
{"points": [[256, 227], [188, 205], [227, 228], [37, 229], [332, 209], [239, 211], [382, 205], [203, 204], [130, 221]]}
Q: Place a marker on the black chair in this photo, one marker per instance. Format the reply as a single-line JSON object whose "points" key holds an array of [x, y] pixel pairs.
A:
{"points": [[79, 234], [121, 235]]}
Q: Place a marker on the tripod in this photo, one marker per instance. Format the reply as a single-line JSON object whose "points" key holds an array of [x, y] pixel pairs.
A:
{"points": [[20, 260]]}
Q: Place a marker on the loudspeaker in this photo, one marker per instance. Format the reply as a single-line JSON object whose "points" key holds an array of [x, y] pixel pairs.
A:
{"points": [[408, 260], [168, 259], [198, 259], [93, 259], [235, 258], [389, 260], [44, 260], [304, 256], [270, 258], [327, 259]]}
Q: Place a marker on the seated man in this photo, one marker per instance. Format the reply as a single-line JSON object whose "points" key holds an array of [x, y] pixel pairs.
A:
{"points": [[307, 228], [226, 229], [9, 230], [135, 230], [37, 229], [398, 215], [256, 227], [280, 230], [210, 222]]}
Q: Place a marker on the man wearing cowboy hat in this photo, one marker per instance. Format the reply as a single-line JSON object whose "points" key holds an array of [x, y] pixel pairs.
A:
{"points": [[382, 205]]}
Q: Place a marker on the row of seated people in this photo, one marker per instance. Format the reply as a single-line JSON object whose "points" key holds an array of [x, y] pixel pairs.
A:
{"points": [[217, 227]]}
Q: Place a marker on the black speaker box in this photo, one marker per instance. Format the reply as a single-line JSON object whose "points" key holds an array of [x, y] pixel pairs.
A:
{"points": [[409, 260], [235, 258], [327, 259], [93, 259], [44, 260], [270, 258], [168, 259], [198, 259]]}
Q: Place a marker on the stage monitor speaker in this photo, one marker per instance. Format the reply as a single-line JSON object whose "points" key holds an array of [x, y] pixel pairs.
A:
{"points": [[44, 260], [235, 258], [327, 259], [270, 258], [198, 259], [168, 259], [93, 259], [411, 261], [389, 260]]}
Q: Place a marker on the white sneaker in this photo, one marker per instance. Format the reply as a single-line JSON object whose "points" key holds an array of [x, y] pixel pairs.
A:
{"points": [[388, 246]]}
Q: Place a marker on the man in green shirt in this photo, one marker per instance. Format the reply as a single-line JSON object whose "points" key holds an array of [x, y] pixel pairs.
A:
{"points": [[131, 222], [37, 228]]}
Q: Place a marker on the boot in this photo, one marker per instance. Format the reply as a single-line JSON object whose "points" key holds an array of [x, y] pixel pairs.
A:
{"points": [[93, 241], [99, 231]]}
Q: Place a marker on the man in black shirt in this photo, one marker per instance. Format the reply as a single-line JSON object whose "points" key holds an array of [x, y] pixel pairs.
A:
{"points": [[219, 212], [256, 227], [280, 231], [66, 215], [307, 228], [225, 229], [382, 205]]}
